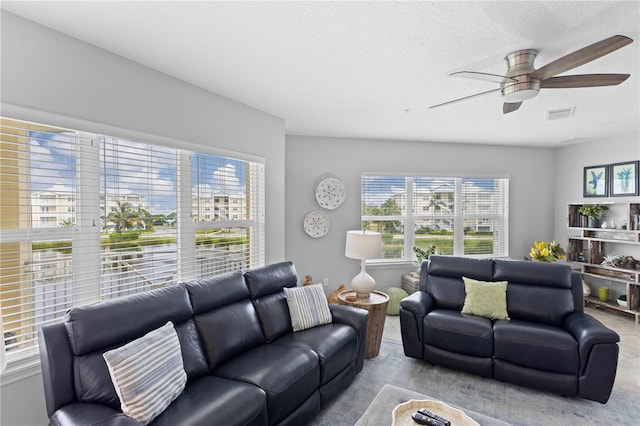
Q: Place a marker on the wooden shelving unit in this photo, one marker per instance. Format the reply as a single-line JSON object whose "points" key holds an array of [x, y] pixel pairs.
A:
{"points": [[597, 303], [590, 245]]}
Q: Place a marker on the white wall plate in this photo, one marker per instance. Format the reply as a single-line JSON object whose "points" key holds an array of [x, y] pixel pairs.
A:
{"points": [[316, 224]]}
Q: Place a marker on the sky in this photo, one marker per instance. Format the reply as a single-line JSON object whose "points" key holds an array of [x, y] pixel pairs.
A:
{"points": [[127, 166]]}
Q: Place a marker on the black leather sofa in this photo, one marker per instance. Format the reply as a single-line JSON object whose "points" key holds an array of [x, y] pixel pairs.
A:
{"points": [[244, 364], [549, 343]]}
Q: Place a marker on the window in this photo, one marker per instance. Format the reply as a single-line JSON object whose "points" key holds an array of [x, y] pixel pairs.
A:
{"points": [[138, 251], [136, 221], [461, 216]]}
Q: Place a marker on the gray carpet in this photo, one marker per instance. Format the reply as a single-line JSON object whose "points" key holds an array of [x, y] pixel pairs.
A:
{"points": [[513, 404]]}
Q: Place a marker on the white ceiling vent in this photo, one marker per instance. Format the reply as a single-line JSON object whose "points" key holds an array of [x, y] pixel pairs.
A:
{"points": [[559, 114]]}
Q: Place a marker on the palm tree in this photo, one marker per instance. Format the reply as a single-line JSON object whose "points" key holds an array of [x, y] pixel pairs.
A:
{"points": [[67, 223], [123, 217]]}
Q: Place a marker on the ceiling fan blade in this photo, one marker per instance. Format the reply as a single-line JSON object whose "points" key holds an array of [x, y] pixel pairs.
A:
{"points": [[485, 76], [581, 57], [466, 97], [585, 80], [510, 107]]}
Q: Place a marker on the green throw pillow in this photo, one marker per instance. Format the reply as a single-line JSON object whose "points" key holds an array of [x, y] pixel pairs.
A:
{"points": [[485, 299]]}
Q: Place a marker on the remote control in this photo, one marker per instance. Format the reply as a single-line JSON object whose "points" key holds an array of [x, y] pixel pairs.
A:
{"points": [[428, 413], [425, 420]]}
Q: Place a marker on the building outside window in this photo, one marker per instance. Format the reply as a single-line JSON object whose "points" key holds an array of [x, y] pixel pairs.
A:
{"points": [[136, 224], [463, 216]]}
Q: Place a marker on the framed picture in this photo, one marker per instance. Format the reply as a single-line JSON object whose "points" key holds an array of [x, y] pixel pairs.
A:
{"points": [[594, 182], [623, 178]]}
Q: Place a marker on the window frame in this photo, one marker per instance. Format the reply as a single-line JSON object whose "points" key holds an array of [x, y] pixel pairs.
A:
{"points": [[85, 231], [409, 218]]}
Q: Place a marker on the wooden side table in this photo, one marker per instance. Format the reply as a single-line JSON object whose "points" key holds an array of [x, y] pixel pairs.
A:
{"points": [[376, 304]]}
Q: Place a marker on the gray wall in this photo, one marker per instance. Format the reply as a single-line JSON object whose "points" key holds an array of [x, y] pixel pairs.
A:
{"points": [[530, 170], [51, 78]]}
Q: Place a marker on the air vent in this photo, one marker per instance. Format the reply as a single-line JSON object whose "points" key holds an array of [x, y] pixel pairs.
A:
{"points": [[559, 114]]}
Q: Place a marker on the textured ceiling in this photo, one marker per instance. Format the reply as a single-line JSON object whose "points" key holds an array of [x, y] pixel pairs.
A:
{"points": [[372, 69]]}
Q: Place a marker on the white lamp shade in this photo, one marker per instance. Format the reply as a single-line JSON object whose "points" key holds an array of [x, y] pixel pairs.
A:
{"points": [[363, 245]]}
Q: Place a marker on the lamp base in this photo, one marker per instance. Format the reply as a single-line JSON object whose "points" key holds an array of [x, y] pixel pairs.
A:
{"points": [[363, 283]]}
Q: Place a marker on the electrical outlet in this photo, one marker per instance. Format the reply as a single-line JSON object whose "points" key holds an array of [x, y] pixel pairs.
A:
{"points": [[325, 282]]}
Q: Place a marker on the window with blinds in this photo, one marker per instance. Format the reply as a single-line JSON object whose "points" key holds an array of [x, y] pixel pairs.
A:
{"points": [[38, 207], [458, 215], [138, 196], [86, 217]]}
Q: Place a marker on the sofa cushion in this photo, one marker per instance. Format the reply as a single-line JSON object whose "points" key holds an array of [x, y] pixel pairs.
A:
{"points": [[96, 328], [444, 279], [271, 278], [537, 273], [335, 344], [544, 305], [273, 313], [485, 299], [213, 292], [107, 323], [289, 375], [457, 332], [308, 306], [537, 346], [193, 356], [147, 373], [210, 399], [538, 291], [228, 331]]}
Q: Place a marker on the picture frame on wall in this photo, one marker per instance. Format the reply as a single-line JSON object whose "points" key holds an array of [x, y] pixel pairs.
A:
{"points": [[594, 181], [623, 179]]}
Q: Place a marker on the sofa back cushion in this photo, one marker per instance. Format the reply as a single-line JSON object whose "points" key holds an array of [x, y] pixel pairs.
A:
{"points": [[265, 285], [537, 291], [99, 327], [224, 316], [444, 278]]}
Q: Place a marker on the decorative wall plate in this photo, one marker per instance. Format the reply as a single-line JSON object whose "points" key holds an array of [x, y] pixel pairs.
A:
{"points": [[316, 224], [330, 193]]}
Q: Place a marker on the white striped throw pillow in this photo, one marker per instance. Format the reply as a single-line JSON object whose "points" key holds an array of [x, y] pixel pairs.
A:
{"points": [[148, 373], [308, 306]]}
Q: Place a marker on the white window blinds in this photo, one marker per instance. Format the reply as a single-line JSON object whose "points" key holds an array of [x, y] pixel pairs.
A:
{"points": [[85, 217], [227, 210], [138, 198], [458, 215], [38, 223]]}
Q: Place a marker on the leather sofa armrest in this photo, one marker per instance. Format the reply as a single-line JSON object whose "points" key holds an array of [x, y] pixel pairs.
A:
{"points": [[412, 312], [356, 318], [349, 315], [588, 332], [81, 414], [418, 303], [56, 360]]}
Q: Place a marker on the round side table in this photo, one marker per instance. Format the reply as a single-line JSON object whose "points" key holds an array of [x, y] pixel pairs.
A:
{"points": [[376, 304]]}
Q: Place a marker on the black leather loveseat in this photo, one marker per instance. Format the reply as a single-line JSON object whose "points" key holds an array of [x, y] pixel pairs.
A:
{"points": [[244, 364], [548, 343]]}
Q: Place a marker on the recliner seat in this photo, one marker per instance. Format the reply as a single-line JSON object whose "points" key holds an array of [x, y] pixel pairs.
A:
{"points": [[549, 343], [244, 364]]}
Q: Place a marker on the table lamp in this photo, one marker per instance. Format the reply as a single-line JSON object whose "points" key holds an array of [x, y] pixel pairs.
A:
{"points": [[363, 245]]}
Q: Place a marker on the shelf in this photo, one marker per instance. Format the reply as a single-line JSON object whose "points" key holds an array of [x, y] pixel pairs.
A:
{"points": [[619, 274], [597, 303], [604, 240], [589, 247]]}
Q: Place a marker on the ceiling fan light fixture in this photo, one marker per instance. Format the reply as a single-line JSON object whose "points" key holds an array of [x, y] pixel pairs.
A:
{"points": [[519, 92]]}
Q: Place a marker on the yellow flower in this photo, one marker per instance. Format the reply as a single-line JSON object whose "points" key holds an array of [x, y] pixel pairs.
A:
{"points": [[546, 252]]}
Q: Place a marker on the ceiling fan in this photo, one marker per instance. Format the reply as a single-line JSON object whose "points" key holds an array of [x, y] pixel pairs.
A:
{"points": [[522, 81]]}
